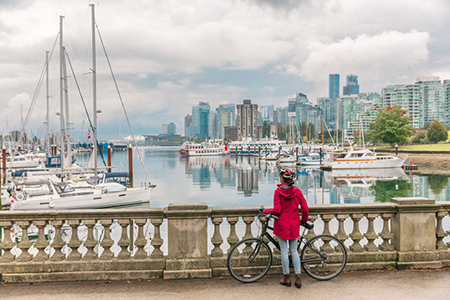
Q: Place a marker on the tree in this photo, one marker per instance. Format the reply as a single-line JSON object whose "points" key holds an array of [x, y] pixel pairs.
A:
{"points": [[266, 130], [437, 132], [390, 126], [420, 136]]}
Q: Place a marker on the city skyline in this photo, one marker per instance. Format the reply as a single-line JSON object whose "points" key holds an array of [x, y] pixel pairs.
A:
{"points": [[168, 57]]}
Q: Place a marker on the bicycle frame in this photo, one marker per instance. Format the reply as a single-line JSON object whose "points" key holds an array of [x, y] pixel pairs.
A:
{"points": [[301, 241]]}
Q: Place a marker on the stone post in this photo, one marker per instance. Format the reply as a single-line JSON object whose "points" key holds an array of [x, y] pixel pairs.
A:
{"points": [[188, 242], [414, 233]]}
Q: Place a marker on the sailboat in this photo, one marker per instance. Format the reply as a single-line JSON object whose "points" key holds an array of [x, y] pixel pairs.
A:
{"points": [[46, 193]]}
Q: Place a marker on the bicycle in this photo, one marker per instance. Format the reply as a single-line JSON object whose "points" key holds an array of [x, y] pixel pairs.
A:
{"points": [[323, 257]]}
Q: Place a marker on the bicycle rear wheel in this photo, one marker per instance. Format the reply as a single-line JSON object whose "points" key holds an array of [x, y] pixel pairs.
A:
{"points": [[323, 257], [249, 260]]}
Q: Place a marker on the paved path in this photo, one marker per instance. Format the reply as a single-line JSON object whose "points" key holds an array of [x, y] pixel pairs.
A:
{"points": [[377, 285]]}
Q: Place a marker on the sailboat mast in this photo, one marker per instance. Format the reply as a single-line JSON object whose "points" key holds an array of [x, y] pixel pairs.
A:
{"points": [[61, 90], [47, 118], [94, 90], [66, 96]]}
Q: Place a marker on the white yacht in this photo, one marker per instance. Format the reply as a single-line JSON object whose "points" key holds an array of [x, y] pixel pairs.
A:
{"points": [[362, 159]]}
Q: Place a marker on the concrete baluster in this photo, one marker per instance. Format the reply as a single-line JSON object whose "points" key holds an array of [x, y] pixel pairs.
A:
{"points": [[107, 242], [41, 243], [7, 243], [141, 240], [232, 238], [124, 241], [340, 234], [24, 243], [90, 242], [74, 242], [58, 242], [440, 233], [248, 232], [217, 239], [326, 230], [310, 234], [356, 234], [386, 234], [370, 235], [157, 241]]}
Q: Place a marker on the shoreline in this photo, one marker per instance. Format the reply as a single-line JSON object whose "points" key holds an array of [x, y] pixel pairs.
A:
{"points": [[428, 163]]}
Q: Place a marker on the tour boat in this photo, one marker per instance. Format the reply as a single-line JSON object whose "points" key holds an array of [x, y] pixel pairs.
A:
{"points": [[212, 147], [248, 146], [363, 159]]}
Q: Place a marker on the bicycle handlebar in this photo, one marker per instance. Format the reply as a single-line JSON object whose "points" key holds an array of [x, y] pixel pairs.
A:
{"points": [[269, 215]]}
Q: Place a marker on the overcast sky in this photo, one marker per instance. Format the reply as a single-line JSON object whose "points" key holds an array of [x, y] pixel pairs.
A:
{"points": [[169, 55]]}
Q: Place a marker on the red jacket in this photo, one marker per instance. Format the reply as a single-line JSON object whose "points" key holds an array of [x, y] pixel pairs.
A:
{"points": [[285, 206]]}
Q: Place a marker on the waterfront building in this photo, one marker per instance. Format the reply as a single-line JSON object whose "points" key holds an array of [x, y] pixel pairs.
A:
{"points": [[431, 92], [352, 87], [188, 126], [333, 86], [231, 133], [247, 120], [351, 109], [226, 114], [406, 96], [267, 113], [213, 125], [200, 120], [328, 108], [169, 129], [447, 101]]}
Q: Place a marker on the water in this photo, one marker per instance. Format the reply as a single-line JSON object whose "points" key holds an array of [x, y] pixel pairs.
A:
{"points": [[246, 180]]}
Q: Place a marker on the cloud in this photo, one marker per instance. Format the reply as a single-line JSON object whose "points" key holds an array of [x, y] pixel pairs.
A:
{"points": [[382, 58]]}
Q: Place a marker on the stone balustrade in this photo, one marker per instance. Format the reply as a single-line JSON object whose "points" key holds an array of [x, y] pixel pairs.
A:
{"points": [[192, 240]]}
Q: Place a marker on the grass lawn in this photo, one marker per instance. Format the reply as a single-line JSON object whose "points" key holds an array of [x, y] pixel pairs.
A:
{"points": [[426, 147]]}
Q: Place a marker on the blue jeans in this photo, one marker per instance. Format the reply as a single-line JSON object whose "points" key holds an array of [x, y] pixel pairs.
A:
{"points": [[285, 257]]}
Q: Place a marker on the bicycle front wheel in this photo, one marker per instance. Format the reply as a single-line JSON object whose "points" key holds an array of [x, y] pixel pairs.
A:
{"points": [[323, 257], [249, 260]]}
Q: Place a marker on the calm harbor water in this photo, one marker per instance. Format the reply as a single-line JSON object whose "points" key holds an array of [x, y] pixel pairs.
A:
{"points": [[246, 180]]}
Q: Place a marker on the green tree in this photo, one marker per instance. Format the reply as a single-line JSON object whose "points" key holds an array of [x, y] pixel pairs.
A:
{"points": [[437, 132], [390, 126], [420, 136], [266, 130]]}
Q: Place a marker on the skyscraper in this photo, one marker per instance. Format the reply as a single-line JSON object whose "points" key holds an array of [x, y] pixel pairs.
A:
{"points": [[226, 117], [352, 87], [200, 120], [188, 125], [247, 120], [333, 86]]}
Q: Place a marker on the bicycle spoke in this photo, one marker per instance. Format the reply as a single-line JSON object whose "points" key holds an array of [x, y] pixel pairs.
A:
{"points": [[249, 260], [324, 257]]}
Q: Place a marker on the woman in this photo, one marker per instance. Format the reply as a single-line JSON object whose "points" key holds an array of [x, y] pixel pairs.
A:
{"points": [[285, 205]]}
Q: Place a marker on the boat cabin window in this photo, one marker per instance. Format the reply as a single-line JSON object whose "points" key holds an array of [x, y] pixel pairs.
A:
{"points": [[63, 188], [356, 155], [342, 155]]}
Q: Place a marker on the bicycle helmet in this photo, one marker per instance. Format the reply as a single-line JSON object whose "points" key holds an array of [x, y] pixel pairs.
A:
{"points": [[287, 173]]}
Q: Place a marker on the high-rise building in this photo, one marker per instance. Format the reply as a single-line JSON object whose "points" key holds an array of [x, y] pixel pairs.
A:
{"points": [[164, 129], [247, 120], [200, 120], [431, 92], [352, 87], [447, 101], [226, 114], [328, 108], [266, 113], [407, 97], [188, 126], [333, 86], [213, 125], [171, 129]]}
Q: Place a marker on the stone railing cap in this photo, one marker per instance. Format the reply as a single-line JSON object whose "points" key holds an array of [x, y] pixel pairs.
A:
{"points": [[412, 201], [187, 206]]}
